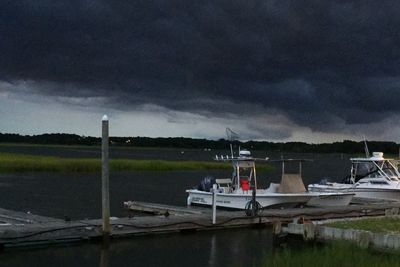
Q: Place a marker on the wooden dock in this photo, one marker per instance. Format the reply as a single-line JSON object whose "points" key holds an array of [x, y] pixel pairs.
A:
{"points": [[21, 229]]}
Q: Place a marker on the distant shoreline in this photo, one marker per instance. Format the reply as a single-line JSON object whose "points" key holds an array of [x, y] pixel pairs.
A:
{"points": [[346, 146]]}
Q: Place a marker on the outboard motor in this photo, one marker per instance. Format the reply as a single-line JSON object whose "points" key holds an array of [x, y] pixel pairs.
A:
{"points": [[206, 184]]}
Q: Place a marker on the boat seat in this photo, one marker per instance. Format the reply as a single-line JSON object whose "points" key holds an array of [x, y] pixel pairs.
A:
{"points": [[225, 184], [226, 181]]}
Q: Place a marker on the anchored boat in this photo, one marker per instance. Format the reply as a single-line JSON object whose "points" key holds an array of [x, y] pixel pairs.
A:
{"points": [[370, 178], [236, 192]]}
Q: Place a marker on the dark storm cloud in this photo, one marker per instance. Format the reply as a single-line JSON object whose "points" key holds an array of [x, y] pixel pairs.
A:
{"points": [[321, 63]]}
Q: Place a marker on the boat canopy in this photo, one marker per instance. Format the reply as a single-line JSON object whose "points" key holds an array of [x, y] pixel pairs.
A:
{"points": [[292, 182], [244, 167], [244, 163]]}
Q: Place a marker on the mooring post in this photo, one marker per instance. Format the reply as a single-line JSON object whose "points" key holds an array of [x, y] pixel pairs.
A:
{"points": [[253, 199], [276, 233], [105, 178], [214, 204]]}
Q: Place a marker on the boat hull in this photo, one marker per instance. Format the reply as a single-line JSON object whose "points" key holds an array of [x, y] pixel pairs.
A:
{"points": [[359, 191], [330, 199], [239, 201]]}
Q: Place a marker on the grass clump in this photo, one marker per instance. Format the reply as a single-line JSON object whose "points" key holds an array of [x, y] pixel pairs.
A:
{"points": [[10, 162], [376, 225], [337, 253]]}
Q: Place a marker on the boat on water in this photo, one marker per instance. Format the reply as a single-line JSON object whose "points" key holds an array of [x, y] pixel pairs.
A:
{"points": [[237, 192], [370, 178]]}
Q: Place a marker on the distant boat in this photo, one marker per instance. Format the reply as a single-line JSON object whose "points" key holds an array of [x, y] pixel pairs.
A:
{"points": [[236, 192], [370, 178]]}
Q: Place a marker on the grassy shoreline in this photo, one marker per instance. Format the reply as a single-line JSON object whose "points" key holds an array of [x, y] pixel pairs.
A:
{"points": [[11, 162], [376, 225], [335, 253]]}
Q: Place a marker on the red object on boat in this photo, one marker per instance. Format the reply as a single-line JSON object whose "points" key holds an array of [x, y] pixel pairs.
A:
{"points": [[244, 184]]}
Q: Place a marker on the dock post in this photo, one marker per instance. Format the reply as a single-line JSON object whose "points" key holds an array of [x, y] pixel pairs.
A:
{"points": [[105, 195], [214, 204], [254, 206], [276, 233]]}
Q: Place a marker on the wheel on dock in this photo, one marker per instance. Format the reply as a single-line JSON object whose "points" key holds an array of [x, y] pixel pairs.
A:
{"points": [[253, 208]]}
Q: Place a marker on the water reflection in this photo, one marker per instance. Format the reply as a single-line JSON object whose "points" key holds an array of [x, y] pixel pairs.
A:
{"points": [[239, 247], [213, 252], [104, 256]]}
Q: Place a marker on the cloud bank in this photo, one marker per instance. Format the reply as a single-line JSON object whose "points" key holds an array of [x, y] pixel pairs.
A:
{"points": [[330, 67]]}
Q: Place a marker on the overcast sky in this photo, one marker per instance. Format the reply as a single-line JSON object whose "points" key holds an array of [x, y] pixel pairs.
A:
{"points": [[314, 71]]}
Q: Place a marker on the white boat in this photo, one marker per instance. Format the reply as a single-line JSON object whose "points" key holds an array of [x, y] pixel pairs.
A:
{"points": [[236, 192], [370, 178]]}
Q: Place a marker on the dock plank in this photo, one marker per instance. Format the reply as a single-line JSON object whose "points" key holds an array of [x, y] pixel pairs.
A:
{"points": [[28, 230], [159, 209], [11, 216]]}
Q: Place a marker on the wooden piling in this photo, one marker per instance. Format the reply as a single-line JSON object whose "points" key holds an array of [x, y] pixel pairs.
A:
{"points": [[105, 195], [214, 204]]}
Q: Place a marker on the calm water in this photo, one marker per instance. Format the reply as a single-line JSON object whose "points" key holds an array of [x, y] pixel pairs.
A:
{"points": [[78, 197], [226, 248]]}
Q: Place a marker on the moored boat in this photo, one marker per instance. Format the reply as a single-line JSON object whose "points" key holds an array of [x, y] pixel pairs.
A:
{"points": [[370, 178], [236, 192]]}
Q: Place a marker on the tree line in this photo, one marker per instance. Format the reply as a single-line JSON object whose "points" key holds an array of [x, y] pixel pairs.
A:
{"points": [[346, 146]]}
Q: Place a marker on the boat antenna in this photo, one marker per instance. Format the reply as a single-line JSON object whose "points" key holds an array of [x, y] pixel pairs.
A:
{"points": [[366, 148], [231, 136]]}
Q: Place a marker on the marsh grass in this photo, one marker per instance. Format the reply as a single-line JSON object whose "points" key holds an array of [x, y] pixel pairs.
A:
{"points": [[376, 225], [10, 162], [338, 253]]}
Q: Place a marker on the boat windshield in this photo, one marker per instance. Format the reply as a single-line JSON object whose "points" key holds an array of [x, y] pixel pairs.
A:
{"points": [[389, 169], [365, 169], [373, 169]]}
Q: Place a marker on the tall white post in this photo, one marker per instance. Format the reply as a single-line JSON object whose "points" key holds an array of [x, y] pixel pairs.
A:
{"points": [[105, 195], [214, 204]]}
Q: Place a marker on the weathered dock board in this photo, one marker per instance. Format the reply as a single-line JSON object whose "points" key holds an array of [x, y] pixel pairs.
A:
{"points": [[21, 229], [15, 217], [159, 209]]}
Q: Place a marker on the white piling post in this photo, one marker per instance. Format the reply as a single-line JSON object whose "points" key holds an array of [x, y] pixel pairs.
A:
{"points": [[214, 204], [105, 195]]}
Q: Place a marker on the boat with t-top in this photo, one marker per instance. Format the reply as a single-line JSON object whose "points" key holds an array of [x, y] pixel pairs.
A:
{"points": [[236, 192]]}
